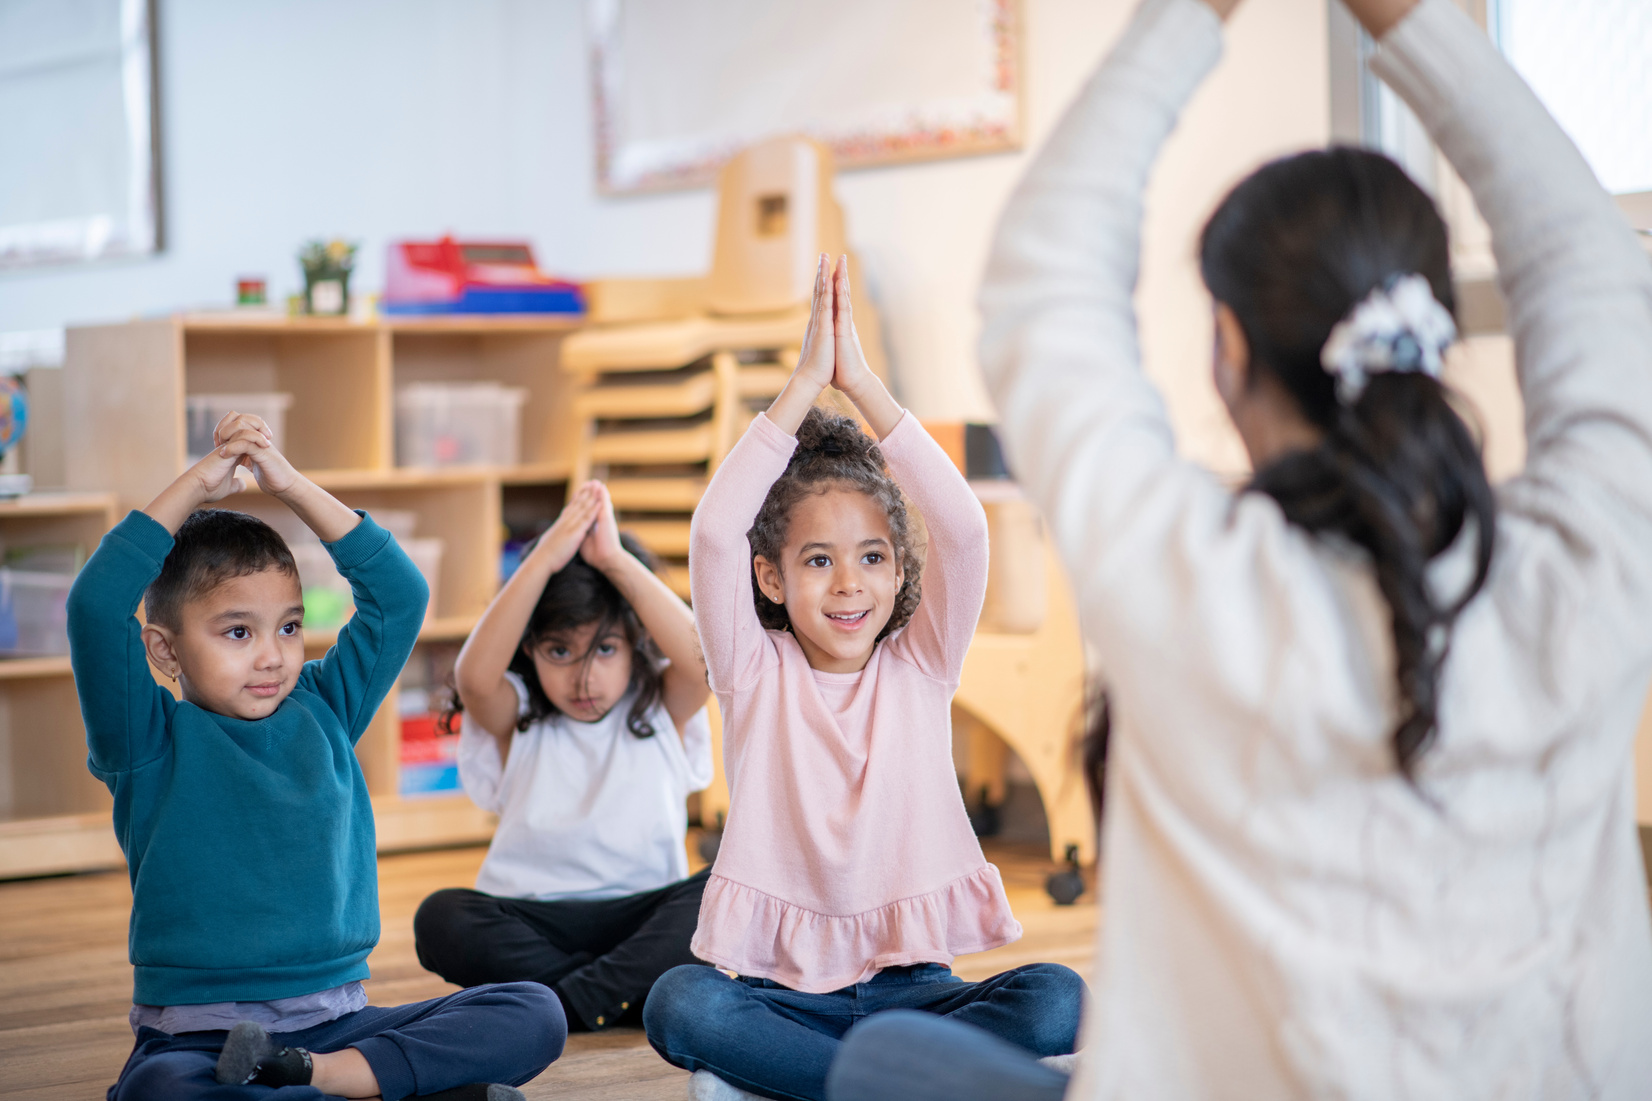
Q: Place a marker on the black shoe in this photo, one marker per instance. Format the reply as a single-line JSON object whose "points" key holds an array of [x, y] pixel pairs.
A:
{"points": [[477, 1091]]}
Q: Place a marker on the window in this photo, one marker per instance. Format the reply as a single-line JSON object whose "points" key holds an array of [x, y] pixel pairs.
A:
{"points": [[77, 109], [1590, 62]]}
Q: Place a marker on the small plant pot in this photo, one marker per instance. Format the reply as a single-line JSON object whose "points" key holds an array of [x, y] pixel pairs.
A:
{"points": [[327, 294]]}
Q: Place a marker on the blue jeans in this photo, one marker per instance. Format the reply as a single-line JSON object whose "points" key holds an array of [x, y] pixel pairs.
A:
{"points": [[905, 1056], [505, 1033], [777, 1042]]}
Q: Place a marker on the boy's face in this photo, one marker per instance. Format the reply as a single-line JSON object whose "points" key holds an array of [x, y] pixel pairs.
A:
{"points": [[239, 648], [838, 577], [584, 689]]}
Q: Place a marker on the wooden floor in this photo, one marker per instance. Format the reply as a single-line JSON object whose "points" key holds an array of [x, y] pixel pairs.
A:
{"points": [[65, 985]]}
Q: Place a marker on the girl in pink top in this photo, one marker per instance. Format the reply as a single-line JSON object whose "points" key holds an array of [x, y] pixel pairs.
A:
{"points": [[848, 877]]}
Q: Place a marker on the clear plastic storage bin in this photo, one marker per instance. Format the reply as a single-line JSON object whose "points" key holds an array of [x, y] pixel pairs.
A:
{"points": [[426, 552], [328, 601], [34, 613], [459, 424], [202, 412]]}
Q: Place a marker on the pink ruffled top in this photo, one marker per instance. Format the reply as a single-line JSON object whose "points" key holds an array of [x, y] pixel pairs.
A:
{"points": [[846, 848]]}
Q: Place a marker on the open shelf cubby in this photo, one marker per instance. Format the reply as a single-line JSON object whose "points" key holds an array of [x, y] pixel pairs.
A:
{"points": [[47, 797]]}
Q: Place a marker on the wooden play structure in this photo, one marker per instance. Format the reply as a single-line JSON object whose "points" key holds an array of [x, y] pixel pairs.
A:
{"points": [[1022, 687], [670, 371]]}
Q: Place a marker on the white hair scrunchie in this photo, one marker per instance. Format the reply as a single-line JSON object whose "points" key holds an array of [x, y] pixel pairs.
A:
{"points": [[1397, 327]]}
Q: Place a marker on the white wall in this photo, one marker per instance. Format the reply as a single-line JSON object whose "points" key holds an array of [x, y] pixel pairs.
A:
{"points": [[389, 118]]}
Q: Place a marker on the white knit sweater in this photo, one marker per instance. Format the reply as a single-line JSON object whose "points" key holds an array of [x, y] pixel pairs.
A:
{"points": [[1284, 916]]}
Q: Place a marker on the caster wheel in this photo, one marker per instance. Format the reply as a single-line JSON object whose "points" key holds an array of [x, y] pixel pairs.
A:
{"points": [[985, 819], [1064, 887]]}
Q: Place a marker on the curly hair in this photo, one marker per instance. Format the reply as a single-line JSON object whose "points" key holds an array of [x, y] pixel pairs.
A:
{"points": [[833, 453], [577, 596]]}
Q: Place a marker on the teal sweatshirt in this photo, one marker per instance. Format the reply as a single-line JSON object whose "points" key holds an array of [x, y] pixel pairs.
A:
{"points": [[249, 843]]}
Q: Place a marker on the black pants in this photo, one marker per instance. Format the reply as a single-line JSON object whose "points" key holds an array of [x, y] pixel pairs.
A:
{"points": [[600, 956]]}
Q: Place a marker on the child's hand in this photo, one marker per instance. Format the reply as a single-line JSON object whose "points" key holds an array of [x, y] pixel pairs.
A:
{"points": [[213, 478], [814, 361], [564, 538], [247, 439], [602, 547], [234, 441], [850, 370]]}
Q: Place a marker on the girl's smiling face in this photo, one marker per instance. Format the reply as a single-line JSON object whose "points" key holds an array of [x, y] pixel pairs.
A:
{"points": [[582, 673], [838, 577]]}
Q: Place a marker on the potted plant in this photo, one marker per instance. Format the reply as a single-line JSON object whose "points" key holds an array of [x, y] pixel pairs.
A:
{"points": [[327, 266]]}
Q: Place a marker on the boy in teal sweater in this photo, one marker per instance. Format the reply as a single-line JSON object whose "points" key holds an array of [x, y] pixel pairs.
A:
{"points": [[243, 812]]}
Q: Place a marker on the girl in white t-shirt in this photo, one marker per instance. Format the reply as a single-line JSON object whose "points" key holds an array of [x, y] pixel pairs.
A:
{"points": [[584, 728]]}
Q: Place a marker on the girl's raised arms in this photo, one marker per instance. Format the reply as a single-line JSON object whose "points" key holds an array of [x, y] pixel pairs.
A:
{"points": [[832, 356], [480, 671], [664, 616]]}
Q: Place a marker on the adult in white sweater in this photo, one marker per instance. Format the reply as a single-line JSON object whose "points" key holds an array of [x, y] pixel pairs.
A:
{"points": [[1322, 880]]}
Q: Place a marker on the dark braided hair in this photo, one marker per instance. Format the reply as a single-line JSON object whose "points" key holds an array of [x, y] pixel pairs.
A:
{"points": [[1291, 251], [833, 453], [577, 596]]}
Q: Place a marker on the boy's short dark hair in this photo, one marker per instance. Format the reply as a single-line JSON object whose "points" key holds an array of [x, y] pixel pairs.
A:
{"points": [[212, 546]]}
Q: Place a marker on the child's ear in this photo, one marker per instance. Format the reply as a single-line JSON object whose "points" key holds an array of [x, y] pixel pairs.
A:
{"points": [[768, 579], [163, 654]]}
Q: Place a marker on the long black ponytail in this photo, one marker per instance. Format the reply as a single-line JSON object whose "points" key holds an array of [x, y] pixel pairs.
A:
{"points": [[1292, 250]]}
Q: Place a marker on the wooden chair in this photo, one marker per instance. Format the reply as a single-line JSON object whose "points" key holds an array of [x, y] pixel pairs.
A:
{"points": [[673, 370]]}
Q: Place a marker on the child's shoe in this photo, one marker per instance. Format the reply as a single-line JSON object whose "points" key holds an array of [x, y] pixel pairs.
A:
{"points": [[250, 1055], [706, 1086], [478, 1091], [1066, 1064]]}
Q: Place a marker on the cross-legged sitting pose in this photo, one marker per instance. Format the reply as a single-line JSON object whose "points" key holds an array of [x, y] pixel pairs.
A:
{"points": [[585, 730], [848, 877], [243, 812], [1370, 812]]}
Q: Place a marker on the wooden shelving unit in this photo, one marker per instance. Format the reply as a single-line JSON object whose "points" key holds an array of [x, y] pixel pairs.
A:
{"points": [[124, 391], [48, 801]]}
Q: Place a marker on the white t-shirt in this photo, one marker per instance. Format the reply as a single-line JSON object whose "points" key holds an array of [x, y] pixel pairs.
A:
{"points": [[586, 810]]}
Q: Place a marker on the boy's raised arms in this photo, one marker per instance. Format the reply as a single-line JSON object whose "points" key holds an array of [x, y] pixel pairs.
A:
{"points": [[243, 440]]}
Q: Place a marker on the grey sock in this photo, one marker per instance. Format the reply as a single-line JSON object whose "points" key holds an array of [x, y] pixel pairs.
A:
{"points": [[251, 1055]]}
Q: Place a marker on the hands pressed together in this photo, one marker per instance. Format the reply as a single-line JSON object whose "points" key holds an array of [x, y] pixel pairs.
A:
{"points": [[831, 355], [243, 441], [587, 528]]}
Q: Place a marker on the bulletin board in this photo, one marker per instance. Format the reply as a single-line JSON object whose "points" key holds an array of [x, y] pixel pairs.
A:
{"points": [[682, 85]]}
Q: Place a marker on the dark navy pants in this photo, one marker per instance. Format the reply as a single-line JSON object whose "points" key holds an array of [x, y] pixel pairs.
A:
{"points": [[777, 1042], [505, 1033]]}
